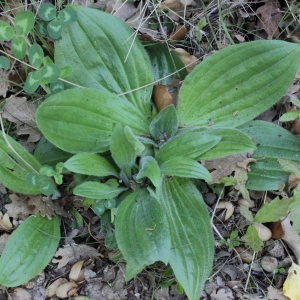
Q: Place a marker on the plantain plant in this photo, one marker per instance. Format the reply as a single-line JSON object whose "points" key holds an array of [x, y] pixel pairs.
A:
{"points": [[140, 165]]}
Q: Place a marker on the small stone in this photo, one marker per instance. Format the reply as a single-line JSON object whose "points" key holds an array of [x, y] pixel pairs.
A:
{"points": [[276, 249], [210, 198], [269, 263]]}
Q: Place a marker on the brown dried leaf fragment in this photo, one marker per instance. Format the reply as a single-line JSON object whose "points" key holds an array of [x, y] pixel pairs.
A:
{"points": [[270, 17], [161, 96], [190, 61], [22, 112], [19, 208]]}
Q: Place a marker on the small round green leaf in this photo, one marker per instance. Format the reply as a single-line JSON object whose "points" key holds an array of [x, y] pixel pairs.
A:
{"points": [[6, 31], [57, 86], [33, 180], [41, 27], [4, 63], [32, 82], [24, 22], [65, 71], [67, 16], [98, 207], [49, 73], [36, 55], [110, 203], [19, 47], [47, 11], [54, 29]]}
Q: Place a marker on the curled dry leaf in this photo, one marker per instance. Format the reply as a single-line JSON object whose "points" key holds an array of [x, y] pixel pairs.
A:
{"points": [[77, 273], [21, 294], [190, 61], [67, 289], [5, 224], [51, 290], [270, 17], [175, 6], [18, 208], [161, 96], [229, 208], [22, 112], [179, 33], [264, 232]]}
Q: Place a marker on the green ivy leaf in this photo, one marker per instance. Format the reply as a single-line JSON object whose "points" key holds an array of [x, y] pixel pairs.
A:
{"points": [[49, 73], [125, 148], [236, 84], [149, 168], [35, 55], [6, 31], [192, 251], [32, 82], [90, 164], [67, 16], [184, 167], [252, 239], [54, 28], [24, 22], [142, 222], [189, 144], [165, 124], [47, 11], [83, 49], [272, 142], [29, 249], [93, 113], [97, 190], [273, 211], [4, 63], [19, 47]]}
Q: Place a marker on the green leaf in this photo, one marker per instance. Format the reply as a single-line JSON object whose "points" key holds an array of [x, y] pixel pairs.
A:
{"points": [[81, 120], [252, 239], [6, 31], [233, 142], [289, 116], [41, 27], [66, 71], [57, 86], [189, 144], [184, 167], [149, 168], [47, 11], [96, 54], [98, 207], [166, 65], [272, 142], [15, 167], [29, 249], [125, 148], [33, 180], [54, 28], [47, 154], [36, 55], [90, 164], [142, 222], [47, 187], [24, 22], [110, 203], [294, 215], [192, 246], [4, 63], [19, 47], [97, 190], [67, 16], [290, 166], [49, 73], [32, 82], [165, 124], [246, 213], [238, 83], [273, 211]]}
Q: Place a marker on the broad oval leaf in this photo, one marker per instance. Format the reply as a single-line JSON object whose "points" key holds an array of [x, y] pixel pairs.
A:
{"points": [[97, 190], [184, 167], [36, 55], [29, 249], [189, 144], [15, 165], [19, 47], [24, 22], [142, 222], [192, 245], [81, 120], [6, 31], [90, 164], [233, 141], [273, 142], [106, 59], [238, 83]]}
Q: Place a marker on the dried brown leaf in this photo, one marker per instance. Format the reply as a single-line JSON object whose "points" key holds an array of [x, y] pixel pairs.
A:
{"points": [[4, 84], [5, 224], [179, 33], [270, 17], [190, 61], [72, 253], [18, 208], [20, 111], [274, 294], [161, 96]]}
